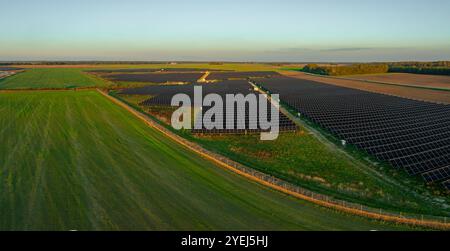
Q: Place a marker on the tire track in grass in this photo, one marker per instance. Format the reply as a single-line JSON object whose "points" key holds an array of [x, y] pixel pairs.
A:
{"points": [[134, 198], [39, 173], [14, 176], [180, 157], [95, 213], [167, 189], [171, 175], [110, 167]]}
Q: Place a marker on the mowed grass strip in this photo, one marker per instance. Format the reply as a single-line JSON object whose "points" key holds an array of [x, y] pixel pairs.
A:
{"points": [[51, 78], [75, 160]]}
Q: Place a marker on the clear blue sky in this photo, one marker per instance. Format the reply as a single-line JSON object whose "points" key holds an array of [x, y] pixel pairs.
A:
{"points": [[245, 30]]}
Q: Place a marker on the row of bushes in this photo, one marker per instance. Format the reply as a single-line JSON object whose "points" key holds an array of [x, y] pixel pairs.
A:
{"points": [[406, 67], [340, 70]]}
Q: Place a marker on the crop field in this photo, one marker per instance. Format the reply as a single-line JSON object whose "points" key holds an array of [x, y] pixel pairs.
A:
{"points": [[401, 91], [408, 134], [408, 79], [50, 78], [132, 70], [75, 160]]}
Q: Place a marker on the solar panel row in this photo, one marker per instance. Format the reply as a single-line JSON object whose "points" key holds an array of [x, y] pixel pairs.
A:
{"points": [[241, 75], [155, 77], [409, 134], [163, 96], [137, 70]]}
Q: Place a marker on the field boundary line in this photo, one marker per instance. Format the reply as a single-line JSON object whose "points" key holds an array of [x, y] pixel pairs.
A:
{"points": [[281, 185]]}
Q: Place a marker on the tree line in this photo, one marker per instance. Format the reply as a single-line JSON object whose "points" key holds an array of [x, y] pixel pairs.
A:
{"points": [[433, 68], [340, 70], [435, 64], [421, 70]]}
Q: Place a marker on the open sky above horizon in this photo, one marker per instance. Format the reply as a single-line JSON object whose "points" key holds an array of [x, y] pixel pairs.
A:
{"points": [[231, 30]]}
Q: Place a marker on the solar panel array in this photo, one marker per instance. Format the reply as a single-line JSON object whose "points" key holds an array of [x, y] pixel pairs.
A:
{"points": [[130, 70], [409, 134], [156, 77], [163, 96], [193, 70], [241, 75], [7, 68]]}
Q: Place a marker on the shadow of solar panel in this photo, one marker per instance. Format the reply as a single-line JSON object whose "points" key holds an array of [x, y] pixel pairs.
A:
{"points": [[131, 70], [437, 174], [409, 134]]}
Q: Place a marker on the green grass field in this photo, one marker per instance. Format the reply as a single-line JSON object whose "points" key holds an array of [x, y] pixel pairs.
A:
{"points": [[75, 160], [43, 78]]}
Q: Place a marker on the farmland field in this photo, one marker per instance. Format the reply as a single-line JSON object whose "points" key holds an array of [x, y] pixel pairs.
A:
{"points": [[50, 78], [430, 81], [75, 160]]}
